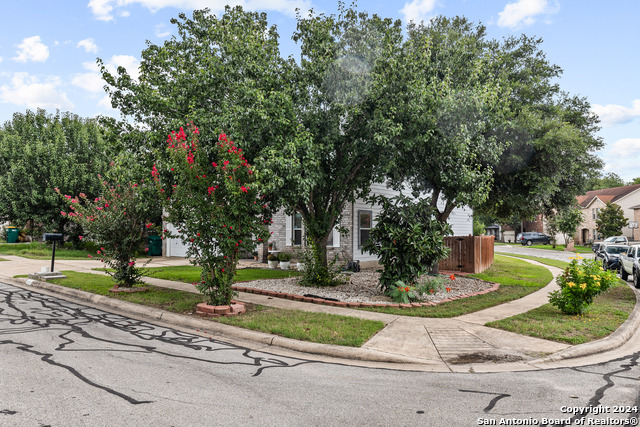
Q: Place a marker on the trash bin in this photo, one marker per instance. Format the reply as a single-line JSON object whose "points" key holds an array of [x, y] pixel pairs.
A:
{"points": [[155, 246], [12, 234]]}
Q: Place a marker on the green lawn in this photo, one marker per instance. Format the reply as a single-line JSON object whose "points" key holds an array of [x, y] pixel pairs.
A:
{"points": [[315, 327], [191, 273], [577, 249], [608, 311], [517, 279], [38, 250]]}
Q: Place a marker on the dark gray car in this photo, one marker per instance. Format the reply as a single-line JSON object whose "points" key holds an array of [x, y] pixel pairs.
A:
{"points": [[529, 238], [610, 256]]}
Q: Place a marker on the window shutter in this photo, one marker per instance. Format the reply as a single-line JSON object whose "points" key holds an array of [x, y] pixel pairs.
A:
{"points": [[288, 232]]}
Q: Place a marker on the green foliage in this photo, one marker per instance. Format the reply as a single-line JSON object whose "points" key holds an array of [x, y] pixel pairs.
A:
{"points": [[478, 227], [407, 238], [315, 273], [602, 181], [118, 222], [634, 181], [579, 284], [568, 220], [284, 256], [40, 152], [215, 204], [402, 293], [611, 219]]}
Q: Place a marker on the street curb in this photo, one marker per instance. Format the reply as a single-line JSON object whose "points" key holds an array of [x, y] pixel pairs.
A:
{"points": [[611, 342], [211, 327]]}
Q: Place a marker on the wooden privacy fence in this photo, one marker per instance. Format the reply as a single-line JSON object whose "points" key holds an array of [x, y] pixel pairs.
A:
{"points": [[469, 254]]}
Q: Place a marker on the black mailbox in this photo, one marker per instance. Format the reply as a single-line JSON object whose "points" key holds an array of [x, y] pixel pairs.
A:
{"points": [[52, 237]]}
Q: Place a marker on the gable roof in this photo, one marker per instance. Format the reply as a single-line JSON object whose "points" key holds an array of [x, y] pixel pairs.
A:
{"points": [[606, 194]]}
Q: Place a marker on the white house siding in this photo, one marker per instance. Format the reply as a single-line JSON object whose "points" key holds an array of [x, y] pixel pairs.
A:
{"points": [[461, 219]]}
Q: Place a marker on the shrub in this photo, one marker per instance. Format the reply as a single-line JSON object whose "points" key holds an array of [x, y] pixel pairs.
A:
{"points": [[272, 257], [407, 238], [579, 284], [118, 222], [317, 275], [285, 256]]}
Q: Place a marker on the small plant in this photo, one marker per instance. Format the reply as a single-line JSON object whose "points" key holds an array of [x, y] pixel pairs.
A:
{"points": [[402, 293], [315, 274], [285, 256], [272, 257], [580, 284], [434, 284]]}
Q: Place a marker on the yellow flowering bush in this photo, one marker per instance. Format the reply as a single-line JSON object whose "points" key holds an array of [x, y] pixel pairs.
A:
{"points": [[579, 285]]}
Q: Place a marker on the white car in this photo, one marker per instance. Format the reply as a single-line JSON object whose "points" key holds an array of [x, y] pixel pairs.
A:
{"points": [[630, 265]]}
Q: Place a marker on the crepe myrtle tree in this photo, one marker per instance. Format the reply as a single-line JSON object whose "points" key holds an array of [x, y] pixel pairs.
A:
{"points": [[213, 200], [118, 221]]}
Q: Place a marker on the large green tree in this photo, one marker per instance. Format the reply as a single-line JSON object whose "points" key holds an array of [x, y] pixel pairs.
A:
{"points": [[611, 219], [608, 180], [40, 152], [318, 128]]}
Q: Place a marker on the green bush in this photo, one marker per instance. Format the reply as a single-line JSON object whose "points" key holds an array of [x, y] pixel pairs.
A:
{"points": [[579, 284], [285, 256], [315, 274], [408, 239]]}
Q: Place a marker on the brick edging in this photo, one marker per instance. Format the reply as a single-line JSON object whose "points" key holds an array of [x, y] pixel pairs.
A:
{"points": [[321, 301]]}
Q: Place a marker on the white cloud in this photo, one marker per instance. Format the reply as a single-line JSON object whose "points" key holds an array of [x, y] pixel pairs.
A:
{"points": [[104, 9], [29, 91], [626, 148], [161, 31], [91, 81], [89, 45], [32, 49], [612, 114], [418, 10], [523, 12]]}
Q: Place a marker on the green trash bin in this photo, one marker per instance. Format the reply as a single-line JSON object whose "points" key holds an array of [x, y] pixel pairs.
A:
{"points": [[12, 234], [155, 246]]}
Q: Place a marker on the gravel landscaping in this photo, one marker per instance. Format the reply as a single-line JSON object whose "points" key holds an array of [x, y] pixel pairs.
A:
{"points": [[363, 287]]}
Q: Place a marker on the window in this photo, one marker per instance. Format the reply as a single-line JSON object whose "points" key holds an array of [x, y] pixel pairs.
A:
{"points": [[297, 229], [330, 239], [595, 212], [364, 226]]}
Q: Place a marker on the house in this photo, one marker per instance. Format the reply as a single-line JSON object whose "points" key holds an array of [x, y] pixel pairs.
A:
{"points": [[627, 197], [357, 217]]}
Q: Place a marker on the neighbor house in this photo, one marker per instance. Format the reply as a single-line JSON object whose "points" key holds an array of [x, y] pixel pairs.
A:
{"points": [[627, 197]]}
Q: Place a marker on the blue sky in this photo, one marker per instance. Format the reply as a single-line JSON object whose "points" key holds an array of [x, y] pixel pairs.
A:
{"points": [[48, 49]]}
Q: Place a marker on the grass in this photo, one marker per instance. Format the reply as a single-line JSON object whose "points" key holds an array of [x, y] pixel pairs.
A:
{"points": [[577, 248], [517, 279], [552, 262], [191, 273], [608, 311], [315, 327], [37, 250], [307, 326]]}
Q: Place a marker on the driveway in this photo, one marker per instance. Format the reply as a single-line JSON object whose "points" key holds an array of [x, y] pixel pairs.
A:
{"points": [[542, 253]]}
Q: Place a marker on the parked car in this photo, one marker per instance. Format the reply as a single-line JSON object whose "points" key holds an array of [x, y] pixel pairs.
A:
{"points": [[630, 265], [595, 247], [529, 238], [610, 256]]}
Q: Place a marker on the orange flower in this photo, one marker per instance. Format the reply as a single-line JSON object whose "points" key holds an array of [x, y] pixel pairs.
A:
{"points": [[452, 277]]}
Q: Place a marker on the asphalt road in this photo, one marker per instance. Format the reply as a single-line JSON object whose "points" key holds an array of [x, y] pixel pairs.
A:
{"points": [[517, 249], [63, 364]]}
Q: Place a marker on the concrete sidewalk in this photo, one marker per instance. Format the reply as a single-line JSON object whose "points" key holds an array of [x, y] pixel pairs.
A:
{"points": [[460, 344]]}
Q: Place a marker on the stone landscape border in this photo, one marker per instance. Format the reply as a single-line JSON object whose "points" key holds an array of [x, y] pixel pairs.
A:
{"points": [[322, 301]]}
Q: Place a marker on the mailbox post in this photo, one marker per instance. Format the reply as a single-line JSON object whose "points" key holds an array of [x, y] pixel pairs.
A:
{"points": [[52, 237]]}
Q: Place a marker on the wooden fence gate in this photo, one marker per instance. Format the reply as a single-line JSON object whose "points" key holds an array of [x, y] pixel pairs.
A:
{"points": [[469, 254]]}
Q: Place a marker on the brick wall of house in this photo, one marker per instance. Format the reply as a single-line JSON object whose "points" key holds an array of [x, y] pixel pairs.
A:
{"points": [[636, 218], [589, 223]]}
